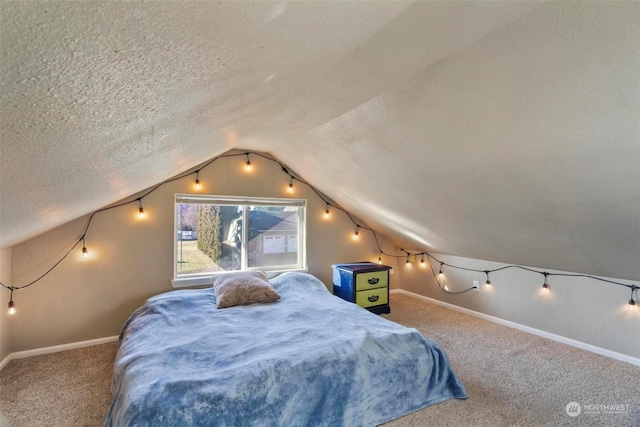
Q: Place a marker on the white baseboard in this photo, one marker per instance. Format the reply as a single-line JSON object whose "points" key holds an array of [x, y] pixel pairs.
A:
{"points": [[564, 340], [5, 361], [55, 349]]}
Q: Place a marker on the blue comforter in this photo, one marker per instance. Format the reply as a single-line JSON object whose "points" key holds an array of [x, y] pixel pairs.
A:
{"points": [[310, 359]]}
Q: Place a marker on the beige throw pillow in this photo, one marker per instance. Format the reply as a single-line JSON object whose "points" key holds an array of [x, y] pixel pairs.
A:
{"points": [[243, 288]]}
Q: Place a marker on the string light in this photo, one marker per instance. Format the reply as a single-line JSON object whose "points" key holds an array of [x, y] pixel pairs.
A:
{"points": [[141, 210], [85, 252], [290, 189], [422, 263], [380, 258], [11, 309], [407, 260], [545, 285], [197, 182], [488, 282]]}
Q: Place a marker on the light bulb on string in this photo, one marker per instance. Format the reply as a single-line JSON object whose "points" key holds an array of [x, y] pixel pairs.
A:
{"points": [[11, 308], [632, 302], [248, 164], [356, 235], [408, 261], [488, 282], [326, 212], [380, 258], [422, 263], [197, 181], [545, 285], [85, 252], [440, 273], [290, 189], [140, 210]]}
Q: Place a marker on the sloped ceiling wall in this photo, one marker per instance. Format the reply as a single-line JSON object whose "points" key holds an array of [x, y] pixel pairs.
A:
{"points": [[504, 131]]}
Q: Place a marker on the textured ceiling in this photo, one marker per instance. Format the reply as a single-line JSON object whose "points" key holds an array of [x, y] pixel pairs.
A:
{"points": [[505, 131]]}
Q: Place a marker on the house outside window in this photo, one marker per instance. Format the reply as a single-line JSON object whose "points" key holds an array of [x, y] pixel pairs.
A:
{"points": [[210, 236]]}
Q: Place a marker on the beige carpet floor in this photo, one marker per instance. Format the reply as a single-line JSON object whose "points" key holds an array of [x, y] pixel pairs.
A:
{"points": [[512, 378]]}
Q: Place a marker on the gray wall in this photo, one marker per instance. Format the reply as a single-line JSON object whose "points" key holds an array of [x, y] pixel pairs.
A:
{"points": [[581, 309], [132, 260]]}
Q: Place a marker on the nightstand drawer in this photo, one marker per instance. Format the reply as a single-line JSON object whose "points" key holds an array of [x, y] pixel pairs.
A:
{"points": [[372, 297], [373, 279]]}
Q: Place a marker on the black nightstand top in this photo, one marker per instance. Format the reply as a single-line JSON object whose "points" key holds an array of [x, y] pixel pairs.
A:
{"points": [[359, 267]]}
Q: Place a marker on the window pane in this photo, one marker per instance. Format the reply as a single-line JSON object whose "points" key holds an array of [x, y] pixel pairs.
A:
{"points": [[273, 236], [211, 236]]}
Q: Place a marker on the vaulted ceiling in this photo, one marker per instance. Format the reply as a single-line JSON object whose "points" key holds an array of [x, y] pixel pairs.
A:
{"points": [[506, 131]]}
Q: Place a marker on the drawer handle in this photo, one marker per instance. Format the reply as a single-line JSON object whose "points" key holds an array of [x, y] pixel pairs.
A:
{"points": [[373, 281], [373, 298]]}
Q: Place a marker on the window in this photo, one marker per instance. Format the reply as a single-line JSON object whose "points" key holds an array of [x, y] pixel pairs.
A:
{"points": [[211, 236]]}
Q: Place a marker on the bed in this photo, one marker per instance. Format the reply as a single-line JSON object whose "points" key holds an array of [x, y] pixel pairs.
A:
{"points": [[309, 359]]}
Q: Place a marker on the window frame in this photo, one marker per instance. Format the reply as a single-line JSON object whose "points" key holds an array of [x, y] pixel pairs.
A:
{"points": [[203, 279]]}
